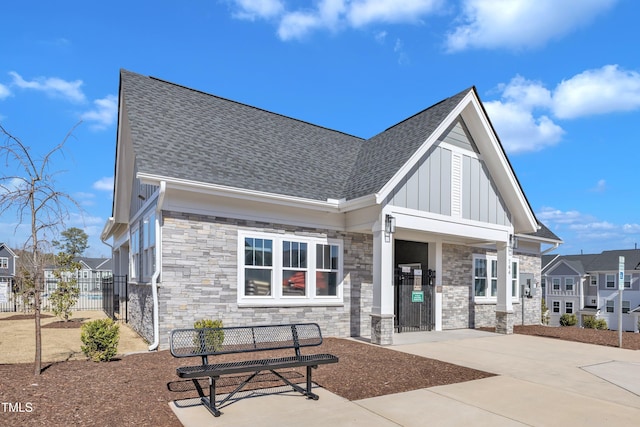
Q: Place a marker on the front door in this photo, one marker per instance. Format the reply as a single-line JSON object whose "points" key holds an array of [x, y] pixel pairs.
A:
{"points": [[413, 308]]}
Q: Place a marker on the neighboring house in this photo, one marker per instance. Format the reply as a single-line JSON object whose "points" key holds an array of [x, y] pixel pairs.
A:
{"points": [[587, 285], [8, 261], [90, 274], [223, 210]]}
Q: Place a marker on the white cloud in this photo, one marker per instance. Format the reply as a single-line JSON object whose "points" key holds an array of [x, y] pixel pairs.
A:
{"points": [[519, 130], [52, 86], [525, 114], [104, 113], [4, 91], [253, 9], [600, 187], [365, 12], [516, 24], [105, 184], [334, 15], [599, 91]]}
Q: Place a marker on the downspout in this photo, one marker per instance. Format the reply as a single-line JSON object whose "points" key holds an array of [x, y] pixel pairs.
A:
{"points": [[156, 273]]}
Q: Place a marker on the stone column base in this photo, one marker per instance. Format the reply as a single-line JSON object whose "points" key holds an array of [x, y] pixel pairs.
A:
{"points": [[382, 329], [504, 322]]}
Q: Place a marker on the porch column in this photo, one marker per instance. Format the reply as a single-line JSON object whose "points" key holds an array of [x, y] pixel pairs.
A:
{"points": [[382, 310], [504, 308], [435, 263]]}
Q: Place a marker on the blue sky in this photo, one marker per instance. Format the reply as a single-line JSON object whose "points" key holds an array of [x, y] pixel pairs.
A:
{"points": [[560, 80]]}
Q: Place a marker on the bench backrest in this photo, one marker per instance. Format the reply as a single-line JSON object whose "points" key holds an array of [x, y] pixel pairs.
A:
{"points": [[242, 339]]}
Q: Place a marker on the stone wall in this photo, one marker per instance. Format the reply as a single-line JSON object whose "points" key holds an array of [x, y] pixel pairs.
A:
{"points": [[140, 307], [199, 278]]}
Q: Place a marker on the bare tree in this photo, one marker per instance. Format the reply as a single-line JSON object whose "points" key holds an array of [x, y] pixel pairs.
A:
{"points": [[30, 191]]}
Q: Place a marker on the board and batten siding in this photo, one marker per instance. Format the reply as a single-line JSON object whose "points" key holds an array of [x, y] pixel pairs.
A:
{"points": [[451, 179]]}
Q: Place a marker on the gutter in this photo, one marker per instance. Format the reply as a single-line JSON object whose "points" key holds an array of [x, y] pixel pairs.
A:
{"points": [[554, 247], [156, 274]]}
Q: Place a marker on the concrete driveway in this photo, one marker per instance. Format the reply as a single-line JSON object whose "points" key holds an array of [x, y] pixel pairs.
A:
{"points": [[540, 382]]}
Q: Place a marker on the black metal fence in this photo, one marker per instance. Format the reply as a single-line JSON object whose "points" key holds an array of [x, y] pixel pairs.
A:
{"points": [[115, 297], [93, 295], [414, 301]]}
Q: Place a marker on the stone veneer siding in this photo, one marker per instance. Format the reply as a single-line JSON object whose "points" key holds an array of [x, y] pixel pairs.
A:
{"points": [[140, 307], [458, 307], [199, 278]]}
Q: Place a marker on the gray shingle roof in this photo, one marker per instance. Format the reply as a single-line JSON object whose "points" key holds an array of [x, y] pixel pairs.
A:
{"points": [[591, 263], [183, 133]]}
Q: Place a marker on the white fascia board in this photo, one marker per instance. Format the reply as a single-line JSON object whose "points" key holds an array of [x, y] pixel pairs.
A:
{"points": [[107, 229], [450, 226], [537, 239], [494, 157], [426, 145], [330, 205]]}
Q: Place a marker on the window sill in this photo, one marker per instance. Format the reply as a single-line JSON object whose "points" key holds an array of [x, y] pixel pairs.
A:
{"points": [[494, 301], [285, 303]]}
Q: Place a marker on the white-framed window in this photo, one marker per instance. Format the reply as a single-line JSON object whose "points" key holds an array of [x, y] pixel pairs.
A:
{"points": [[4, 262], [627, 281], [568, 307], [275, 269], [555, 306], [556, 283], [593, 280], [611, 281], [568, 284], [485, 277], [610, 306], [148, 245], [134, 252], [626, 305]]}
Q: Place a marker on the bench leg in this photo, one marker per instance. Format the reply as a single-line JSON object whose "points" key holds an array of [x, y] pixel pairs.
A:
{"points": [[296, 387], [309, 393], [210, 402]]}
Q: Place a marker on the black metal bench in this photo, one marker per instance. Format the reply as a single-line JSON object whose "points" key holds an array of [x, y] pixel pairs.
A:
{"points": [[233, 340]]}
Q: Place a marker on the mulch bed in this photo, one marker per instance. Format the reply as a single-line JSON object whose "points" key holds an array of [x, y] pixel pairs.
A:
{"points": [[71, 324], [135, 389], [630, 340], [24, 317]]}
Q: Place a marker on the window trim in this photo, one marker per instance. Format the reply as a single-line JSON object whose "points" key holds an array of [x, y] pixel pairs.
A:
{"points": [[630, 280], [568, 304], [277, 297], [593, 282], [610, 306], [553, 306], [612, 281], [556, 283], [489, 278], [572, 284], [4, 263]]}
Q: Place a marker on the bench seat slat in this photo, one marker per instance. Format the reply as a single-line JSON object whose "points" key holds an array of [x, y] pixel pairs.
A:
{"points": [[217, 369]]}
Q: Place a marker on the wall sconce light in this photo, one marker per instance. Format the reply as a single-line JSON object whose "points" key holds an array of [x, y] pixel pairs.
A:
{"points": [[389, 224]]}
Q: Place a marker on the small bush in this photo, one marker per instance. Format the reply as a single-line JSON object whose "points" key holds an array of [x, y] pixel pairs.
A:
{"points": [[212, 337], [601, 324], [568, 320], [100, 338], [591, 322]]}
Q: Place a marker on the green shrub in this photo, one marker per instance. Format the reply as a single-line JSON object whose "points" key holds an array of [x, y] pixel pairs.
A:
{"points": [[568, 320], [591, 322], [212, 337], [100, 338]]}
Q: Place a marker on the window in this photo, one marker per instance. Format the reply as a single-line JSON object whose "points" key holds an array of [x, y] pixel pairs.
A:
{"points": [[555, 306], [134, 252], [611, 281], [568, 284], [286, 269], [556, 284], [625, 306], [568, 307], [593, 280], [4, 262], [610, 307], [627, 281], [149, 245], [514, 279], [485, 277]]}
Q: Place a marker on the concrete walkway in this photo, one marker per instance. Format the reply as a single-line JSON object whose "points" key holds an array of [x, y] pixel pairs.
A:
{"points": [[540, 382]]}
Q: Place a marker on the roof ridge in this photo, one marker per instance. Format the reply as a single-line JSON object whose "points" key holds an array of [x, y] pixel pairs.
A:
{"points": [[248, 106]]}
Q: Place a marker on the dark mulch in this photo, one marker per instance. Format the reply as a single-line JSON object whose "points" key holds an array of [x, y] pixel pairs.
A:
{"points": [[71, 324], [24, 317], [630, 340], [135, 390]]}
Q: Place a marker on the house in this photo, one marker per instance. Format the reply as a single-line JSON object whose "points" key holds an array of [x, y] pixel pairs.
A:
{"points": [[223, 210], [8, 262], [587, 285], [89, 275]]}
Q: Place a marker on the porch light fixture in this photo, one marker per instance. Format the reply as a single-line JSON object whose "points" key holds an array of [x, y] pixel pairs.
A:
{"points": [[389, 224]]}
